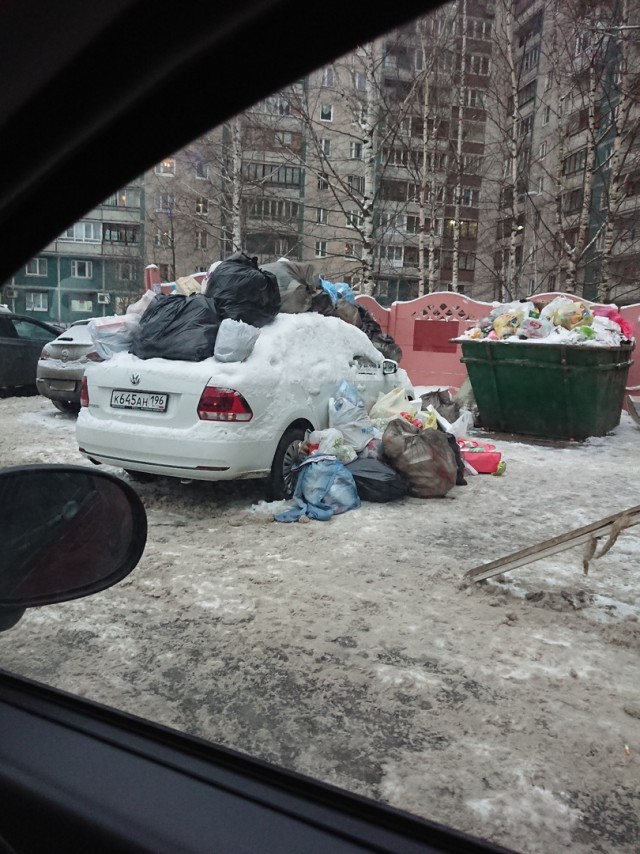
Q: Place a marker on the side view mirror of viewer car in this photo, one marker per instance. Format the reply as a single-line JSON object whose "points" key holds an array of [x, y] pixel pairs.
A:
{"points": [[66, 532], [389, 366]]}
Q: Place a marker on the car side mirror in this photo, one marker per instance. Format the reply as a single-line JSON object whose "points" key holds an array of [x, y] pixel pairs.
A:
{"points": [[389, 366], [66, 532]]}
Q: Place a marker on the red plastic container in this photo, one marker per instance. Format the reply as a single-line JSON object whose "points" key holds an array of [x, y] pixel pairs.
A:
{"points": [[482, 456]]}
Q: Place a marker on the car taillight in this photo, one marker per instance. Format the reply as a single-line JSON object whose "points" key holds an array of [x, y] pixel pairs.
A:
{"points": [[44, 354], [223, 404], [84, 392]]}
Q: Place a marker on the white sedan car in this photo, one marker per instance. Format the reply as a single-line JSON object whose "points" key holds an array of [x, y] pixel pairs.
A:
{"points": [[211, 420]]}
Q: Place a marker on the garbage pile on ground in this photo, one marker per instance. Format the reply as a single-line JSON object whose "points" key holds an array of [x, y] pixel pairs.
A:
{"points": [[560, 321], [237, 298], [395, 447]]}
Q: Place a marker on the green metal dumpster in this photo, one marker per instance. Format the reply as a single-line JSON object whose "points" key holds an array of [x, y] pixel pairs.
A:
{"points": [[553, 391]]}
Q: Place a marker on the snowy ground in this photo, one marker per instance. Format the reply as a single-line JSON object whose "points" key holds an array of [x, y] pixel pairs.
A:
{"points": [[350, 651]]}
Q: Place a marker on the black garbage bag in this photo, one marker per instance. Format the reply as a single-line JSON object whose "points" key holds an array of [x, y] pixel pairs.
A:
{"points": [[377, 481], [177, 327], [242, 291], [380, 340], [298, 283], [424, 456]]}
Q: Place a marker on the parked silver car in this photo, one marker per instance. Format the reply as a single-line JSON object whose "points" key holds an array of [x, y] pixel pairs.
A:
{"points": [[61, 366]]}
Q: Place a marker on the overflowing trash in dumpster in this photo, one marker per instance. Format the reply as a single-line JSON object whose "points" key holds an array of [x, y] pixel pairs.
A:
{"points": [[560, 321]]}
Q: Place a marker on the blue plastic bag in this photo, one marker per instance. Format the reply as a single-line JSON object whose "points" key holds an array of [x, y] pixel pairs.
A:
{"points": [[330, 289], [325, 488]]}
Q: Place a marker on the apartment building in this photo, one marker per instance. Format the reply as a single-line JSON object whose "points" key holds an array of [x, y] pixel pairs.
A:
{"points": [[565, 211], [94, 268], [490, 148], [371, 168]]}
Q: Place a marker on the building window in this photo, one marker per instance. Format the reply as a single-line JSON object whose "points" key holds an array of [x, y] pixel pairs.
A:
{"points": [[327, 76], [540, 185], [125, 271], [356, 183], [548, 80], [479, 64], [474, 98], [272, 173], [466, 261], [326, 113], [202, 239], [575, 162], [128, 198], [284, 138], [202, 170], [120, 233], [552, 283], [82, 305], [468, 228], [355, 219], [394, 221], [279, 209], [83, 232], [572, 201], [162, 237], [37, 301], [352, 250], [325, 147], [323, 181], [542, 151], [546, 115], [37, 267], [530, 58], [166, 272], [321, 215], [202, 206], [355, 150], [359, 80], [393, 254], [321, 249], [164, 202], [82, 269], [166, 167], [526, 125], [527, 93]]}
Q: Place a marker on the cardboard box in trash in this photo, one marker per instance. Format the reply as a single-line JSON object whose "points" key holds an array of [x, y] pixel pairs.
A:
{"points": [[481, 455]]}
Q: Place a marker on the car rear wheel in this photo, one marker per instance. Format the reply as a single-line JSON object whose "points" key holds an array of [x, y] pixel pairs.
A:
{"points": [[66, 406], [141, 476], [282, 479]]}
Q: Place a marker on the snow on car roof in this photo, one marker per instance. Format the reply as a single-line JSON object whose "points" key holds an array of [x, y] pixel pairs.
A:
{"points": [[307, 347]]}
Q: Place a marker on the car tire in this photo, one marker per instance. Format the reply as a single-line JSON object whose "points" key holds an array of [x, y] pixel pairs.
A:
{"points": [[141, 476], [66, 406], [282, 480]]}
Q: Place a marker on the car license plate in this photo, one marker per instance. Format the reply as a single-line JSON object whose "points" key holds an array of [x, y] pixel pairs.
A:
{"points": [[145, 401]]}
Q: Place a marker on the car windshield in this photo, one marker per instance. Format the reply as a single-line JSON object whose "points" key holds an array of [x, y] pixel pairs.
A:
{"points": [[432, 190]]}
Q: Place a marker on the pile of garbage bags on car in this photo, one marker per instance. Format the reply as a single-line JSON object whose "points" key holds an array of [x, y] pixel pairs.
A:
{"points": [[560, 321], [223, 316], [398, 446]]}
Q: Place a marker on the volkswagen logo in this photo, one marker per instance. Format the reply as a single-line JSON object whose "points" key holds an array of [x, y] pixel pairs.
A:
{"points": [[135, 379]]}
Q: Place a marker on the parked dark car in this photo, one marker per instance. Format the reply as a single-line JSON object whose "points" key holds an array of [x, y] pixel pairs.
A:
{"points": [[61, 366], [21, 342]]}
